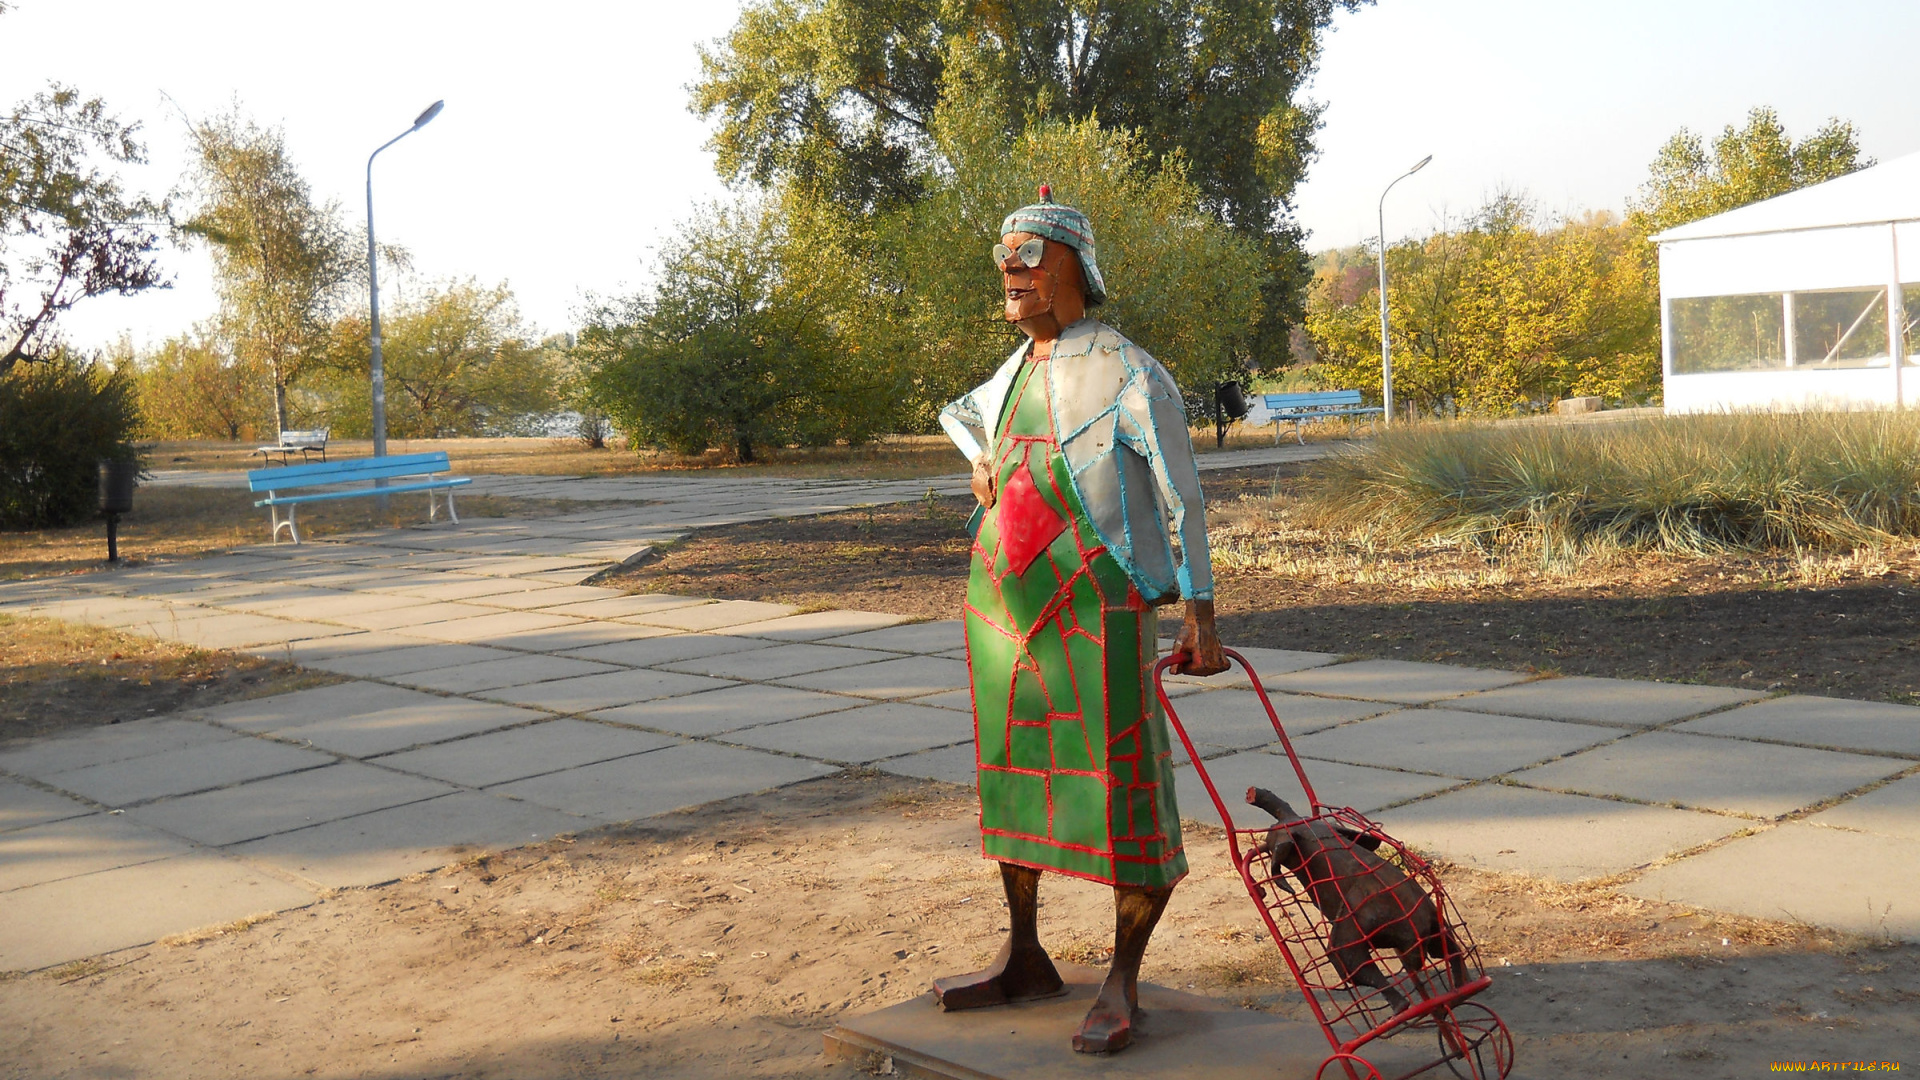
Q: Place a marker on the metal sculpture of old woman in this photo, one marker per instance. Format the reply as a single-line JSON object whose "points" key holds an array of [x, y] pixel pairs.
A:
{"points": [[1092, 520]]}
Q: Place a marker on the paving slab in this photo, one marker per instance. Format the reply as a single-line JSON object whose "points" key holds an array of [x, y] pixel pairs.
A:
{"points": [[818, 624], [82, 845], [178, 772], [390, 844], [958, 700], [1362, 788], [242, 631], [715, 616], [22, 805], [1801, 872], [667, 648], [516, 670], [362, 719], [1614, 702], [1267, 663], [284, 803], [414, 616], [1820, 721], [589, 693], [581, 634], [941, 635], [1471, 746], [400, 661], [488, 629], [778, 662], [106, 743], [906, 677], [323, 604], [633, 604], [517, 753], [453, 586], [1546, 834], [862, 735], [730, 709], [951, 764], [1401, 681], [355, 645], [1890, 810], [552, 596], [117, 909], [1708, 773], [672, 779], [1220, 721]]}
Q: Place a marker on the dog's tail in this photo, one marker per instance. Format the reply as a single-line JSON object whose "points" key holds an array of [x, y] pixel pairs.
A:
{"points": [[1272, 804]]}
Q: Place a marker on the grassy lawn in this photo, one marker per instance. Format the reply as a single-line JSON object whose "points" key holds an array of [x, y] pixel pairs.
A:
{"points": [[185, 522], [55, 676], [896, 457]]}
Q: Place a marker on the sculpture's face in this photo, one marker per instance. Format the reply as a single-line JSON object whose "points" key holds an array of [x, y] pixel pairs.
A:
{"points": [[1036, 288]]}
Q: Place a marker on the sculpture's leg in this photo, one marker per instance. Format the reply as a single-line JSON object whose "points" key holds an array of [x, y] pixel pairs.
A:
{"points": [[1023, 970], [1109, 1024]]}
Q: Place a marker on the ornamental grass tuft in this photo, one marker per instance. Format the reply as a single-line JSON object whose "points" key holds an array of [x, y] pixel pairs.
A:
{"points": [[1693, 485]]}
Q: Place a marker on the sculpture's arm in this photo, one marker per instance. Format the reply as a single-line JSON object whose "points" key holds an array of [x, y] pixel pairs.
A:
{"points": [[1177, 478]]}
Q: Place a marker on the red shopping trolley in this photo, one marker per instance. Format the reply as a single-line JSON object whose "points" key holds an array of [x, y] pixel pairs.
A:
{"points": [[1346, 903]]}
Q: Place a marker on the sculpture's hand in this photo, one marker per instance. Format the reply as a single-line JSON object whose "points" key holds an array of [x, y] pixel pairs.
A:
{"points": [[983, 481], [1199, 641]]}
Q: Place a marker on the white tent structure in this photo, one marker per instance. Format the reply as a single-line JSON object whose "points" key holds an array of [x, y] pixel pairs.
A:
{"points": [[1796, 302]]}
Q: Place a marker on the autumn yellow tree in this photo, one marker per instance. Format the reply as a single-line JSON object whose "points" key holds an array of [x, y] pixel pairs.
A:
{"points": [[1500, 314]]}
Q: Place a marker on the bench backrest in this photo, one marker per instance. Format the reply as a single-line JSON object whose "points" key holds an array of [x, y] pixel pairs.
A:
{"points": [[311, 439], [347, 471], [1320, 399]]}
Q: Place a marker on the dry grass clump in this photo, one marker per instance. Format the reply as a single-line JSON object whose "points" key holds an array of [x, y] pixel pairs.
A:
{"points": [[1692, 485]]}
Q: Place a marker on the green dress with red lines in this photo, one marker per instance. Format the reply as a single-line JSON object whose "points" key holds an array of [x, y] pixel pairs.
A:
{"points": [[1075, 768]]}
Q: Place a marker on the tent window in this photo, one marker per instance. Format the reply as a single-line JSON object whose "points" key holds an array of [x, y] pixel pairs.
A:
{"points": [[1729, 333], [1912, 305], [1840, 329]]}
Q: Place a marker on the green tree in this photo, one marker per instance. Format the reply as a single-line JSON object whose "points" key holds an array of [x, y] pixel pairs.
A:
{"points": [[1499, 315], [1759, 161], [59, 418], [733, 346], [840, 97], [68, 231], [1183, 285], [283, 263], [459, 362], [193, 387]]}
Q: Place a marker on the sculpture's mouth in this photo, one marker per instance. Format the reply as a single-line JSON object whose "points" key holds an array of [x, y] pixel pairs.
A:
{"points": [[1016, 293]]}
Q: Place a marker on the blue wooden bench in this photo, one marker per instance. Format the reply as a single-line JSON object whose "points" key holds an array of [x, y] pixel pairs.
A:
{"points": [[295, 477], [1318, 405]]}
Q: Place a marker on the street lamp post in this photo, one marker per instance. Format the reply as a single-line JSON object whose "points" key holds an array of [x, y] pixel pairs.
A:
{"points": [[1386, 350], [373, 290]]}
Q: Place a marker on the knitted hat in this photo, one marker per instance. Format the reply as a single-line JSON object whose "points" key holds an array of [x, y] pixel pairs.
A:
{"points": [[1065, 225]]}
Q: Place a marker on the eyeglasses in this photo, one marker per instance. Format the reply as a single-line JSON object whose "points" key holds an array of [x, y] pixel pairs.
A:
{"points": [[1030, 253]]}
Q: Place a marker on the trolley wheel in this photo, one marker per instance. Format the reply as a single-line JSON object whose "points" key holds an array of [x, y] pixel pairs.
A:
{"points": [[1355, 1067], [1474, 1042]]}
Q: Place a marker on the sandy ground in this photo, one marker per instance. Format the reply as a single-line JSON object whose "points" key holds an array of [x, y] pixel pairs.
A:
{"points": [[723, 943]]}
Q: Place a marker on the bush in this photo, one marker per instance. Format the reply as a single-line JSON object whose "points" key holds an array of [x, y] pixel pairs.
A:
{"points": [[58, 420], [1687, 485]]}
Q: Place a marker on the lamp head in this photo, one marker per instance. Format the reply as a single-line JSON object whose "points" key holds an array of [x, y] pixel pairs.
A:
{"points": [[433, 110], [1410, 172]]}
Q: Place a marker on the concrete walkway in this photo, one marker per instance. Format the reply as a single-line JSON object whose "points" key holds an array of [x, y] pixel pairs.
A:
{"points": [[495, 700]]}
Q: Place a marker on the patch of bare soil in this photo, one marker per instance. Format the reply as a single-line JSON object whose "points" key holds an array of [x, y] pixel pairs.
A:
{"points": [[1843, 624], [723, 943], [57, 675]]}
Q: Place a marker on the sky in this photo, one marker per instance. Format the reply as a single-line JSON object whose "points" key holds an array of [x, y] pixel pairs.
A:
{"points": [[566, 152]]}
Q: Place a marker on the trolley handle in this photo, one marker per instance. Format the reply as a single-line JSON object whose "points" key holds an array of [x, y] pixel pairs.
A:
{"points": [[1193, 754]]}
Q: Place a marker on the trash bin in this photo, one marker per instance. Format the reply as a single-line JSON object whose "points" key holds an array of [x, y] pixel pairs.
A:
{"points": [[117, 480]]}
